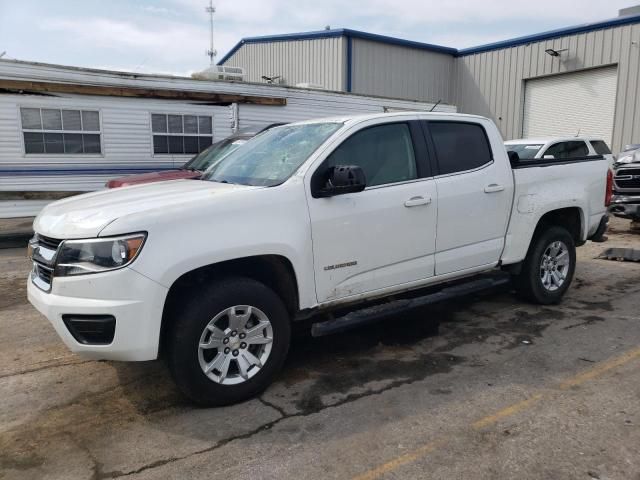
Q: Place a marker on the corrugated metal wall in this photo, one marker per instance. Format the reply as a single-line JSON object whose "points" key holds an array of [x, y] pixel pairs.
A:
{"points": [[492, 83], [318, 61], [402, 72]]}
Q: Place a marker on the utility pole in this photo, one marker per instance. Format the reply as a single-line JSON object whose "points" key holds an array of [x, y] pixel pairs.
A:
{"points": [[211, 53]]}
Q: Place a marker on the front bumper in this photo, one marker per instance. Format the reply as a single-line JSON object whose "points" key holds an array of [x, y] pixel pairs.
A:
{"points": [[625, 206], [134, 300]]}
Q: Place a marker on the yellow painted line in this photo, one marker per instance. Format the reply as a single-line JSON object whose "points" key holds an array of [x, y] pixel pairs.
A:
{"points": [[399, 461], [506, 412], [601, 368]]}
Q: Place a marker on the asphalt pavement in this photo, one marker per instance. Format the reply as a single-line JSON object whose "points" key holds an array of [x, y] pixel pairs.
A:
{"points": [[481, 387]]}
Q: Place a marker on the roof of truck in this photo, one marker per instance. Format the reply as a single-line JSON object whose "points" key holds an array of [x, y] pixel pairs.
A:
{"points": [[544, 140], [372, 116]]}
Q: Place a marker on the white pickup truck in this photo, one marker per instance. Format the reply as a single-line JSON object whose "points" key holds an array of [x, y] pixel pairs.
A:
{"points": [[304, 219]]}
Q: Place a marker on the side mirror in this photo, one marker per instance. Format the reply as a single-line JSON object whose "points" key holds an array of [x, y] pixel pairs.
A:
{"points": [[342, 179], [514, 158], [548, 157]]}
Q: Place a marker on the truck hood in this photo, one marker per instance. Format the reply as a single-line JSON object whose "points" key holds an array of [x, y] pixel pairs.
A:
{"points": [[85, 216]]}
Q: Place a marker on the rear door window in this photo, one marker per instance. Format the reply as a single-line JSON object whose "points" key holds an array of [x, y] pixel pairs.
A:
{"points": [[567, 150], [600, 147], [459, 146]]}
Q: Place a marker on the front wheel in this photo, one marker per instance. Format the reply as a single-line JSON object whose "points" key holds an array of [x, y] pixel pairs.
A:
{"points": [[548, 269], [229, 341]]}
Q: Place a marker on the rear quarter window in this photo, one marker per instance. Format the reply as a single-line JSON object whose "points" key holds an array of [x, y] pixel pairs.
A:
{"points": [[460, 146], [600, 147]]}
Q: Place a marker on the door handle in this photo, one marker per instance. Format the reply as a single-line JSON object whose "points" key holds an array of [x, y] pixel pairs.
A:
{"points": [[416, 201], [493, 188]]}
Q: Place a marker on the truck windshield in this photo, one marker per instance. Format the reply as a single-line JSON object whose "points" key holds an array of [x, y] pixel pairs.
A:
{"points": [[207, 157], [273, 156], [524, 150]]}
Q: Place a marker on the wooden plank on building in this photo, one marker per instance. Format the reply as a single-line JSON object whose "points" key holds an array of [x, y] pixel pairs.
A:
{"points": [[25, 86]]}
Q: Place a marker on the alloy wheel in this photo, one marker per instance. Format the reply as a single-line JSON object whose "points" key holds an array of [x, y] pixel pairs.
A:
{"points": [[235, 344]]}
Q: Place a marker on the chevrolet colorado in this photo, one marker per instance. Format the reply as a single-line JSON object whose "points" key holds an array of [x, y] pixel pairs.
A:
{"points": [[318, 216]]}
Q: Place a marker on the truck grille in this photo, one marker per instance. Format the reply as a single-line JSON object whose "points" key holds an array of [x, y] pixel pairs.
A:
{"points": [[43, 273], [51, 243], [43, 254], [627, 178]]}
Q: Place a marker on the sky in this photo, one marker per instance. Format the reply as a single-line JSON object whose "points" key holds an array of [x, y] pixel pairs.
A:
{"points": [[172, 36]]}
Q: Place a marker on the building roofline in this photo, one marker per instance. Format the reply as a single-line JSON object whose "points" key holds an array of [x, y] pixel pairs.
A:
{"points": [[336, 32], [560, 32], [346, 32], [398, 41]]}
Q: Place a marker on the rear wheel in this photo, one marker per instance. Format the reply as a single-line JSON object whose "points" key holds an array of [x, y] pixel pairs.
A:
{"points": [[229, 342], [548, 269]]}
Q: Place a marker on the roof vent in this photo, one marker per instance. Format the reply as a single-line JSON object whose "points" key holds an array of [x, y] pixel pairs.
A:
{"points": [[221, 72]]}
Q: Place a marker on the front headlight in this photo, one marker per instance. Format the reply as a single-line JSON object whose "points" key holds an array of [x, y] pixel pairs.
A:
{"points": [[78, 257]]}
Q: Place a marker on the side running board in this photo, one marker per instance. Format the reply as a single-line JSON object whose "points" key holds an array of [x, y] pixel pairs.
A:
{"points": [[378, 312]]}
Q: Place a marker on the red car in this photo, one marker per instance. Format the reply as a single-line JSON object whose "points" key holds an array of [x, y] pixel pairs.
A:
{"points": [[195, 167]]}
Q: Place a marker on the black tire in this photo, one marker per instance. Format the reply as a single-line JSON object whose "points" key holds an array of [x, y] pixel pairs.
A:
{"points": [[187, 328], [528, 282]]}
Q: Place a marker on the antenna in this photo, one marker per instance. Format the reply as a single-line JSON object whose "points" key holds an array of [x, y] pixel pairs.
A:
{"points": [[211, 52], [435, 105]]}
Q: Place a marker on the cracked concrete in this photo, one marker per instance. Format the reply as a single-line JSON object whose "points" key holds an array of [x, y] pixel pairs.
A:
{"points": [[347, 403]]}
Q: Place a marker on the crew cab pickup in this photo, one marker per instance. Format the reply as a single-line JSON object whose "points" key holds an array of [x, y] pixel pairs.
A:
{"points": [[308, 218]]}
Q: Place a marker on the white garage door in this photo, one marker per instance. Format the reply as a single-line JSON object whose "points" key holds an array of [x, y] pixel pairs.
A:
{"points": [[570, 103]]}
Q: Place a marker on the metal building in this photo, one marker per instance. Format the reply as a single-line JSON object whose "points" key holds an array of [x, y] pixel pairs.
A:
{"points": [[583, 79], [65, 130], [349, 61]]}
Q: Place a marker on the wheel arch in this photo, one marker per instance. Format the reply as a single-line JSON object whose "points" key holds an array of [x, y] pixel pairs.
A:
{"points": [[571, 218], [275, 271]]}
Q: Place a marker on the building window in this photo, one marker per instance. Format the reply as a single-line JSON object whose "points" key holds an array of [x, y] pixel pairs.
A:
{"points": [[180, 134], [60, 131]]}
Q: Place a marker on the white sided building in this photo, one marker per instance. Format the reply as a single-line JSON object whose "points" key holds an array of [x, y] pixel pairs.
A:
{"points": [[65, 130]]}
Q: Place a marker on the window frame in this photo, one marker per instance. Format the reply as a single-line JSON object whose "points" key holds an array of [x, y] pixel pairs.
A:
{"points": [[420, 154], [591, 143], [43, 131], [435, 164], [182, 134]]}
